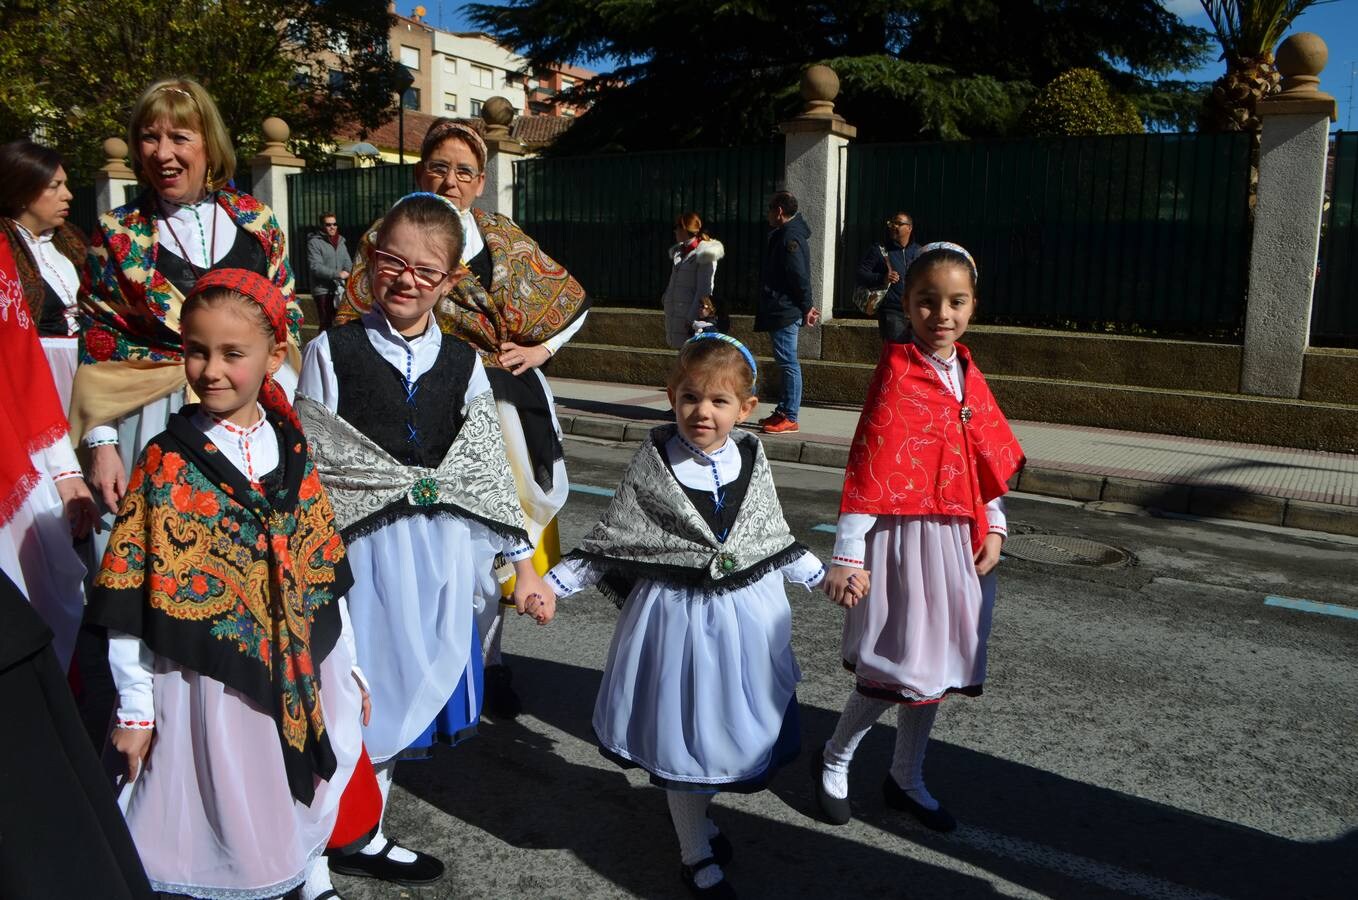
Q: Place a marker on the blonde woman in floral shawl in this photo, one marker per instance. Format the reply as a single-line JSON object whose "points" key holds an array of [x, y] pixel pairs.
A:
{"points": [[150, 254], [517, 307]]}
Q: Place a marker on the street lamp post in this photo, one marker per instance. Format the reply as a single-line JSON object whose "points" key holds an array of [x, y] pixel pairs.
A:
{"points": [[403, 82]]}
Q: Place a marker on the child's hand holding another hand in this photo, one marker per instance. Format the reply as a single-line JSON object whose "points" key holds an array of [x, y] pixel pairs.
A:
{"points": [[846, 585], [532, 596]]}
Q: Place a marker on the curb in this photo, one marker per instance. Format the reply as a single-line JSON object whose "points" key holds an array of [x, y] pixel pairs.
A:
{"points": [[1083, 487]]}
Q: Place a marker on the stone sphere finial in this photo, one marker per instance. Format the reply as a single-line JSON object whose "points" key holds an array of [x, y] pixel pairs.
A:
{"points": [[115, 150], [276, 131], [498, 114], [820, 87], [1300, 60]]}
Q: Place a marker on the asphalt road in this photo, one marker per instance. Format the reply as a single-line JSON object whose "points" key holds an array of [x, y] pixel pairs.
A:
{"points": [[1148, 730]]}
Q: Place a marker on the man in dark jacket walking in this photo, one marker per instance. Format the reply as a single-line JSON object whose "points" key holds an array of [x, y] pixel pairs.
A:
{"points": [[329, 263], [885, 264], [785, 303]]}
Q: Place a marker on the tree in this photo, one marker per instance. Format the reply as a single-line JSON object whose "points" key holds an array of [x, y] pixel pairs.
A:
{"points": [[722, 72], [70, 71], [1247, 31], [1080, 103]]}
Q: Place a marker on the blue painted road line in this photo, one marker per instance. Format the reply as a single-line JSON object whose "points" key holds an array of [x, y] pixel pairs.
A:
{"points": [[1311, 606], [828, 529], [591, 489]]}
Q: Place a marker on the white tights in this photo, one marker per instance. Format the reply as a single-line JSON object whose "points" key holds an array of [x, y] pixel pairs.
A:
{"points": [[913, 724]]}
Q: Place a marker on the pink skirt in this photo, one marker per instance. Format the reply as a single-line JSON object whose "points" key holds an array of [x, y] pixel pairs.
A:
{"points": [[921, 632], [212, 816]]}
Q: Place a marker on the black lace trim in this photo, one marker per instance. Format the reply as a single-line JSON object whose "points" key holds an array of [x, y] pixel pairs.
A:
{"points": [[404, 509], [620, 576]]}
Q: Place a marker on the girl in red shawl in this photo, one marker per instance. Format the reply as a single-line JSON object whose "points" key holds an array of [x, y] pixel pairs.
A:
{"points": [[921, 510]]}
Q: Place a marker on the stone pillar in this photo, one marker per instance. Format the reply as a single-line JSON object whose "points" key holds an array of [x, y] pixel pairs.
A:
{"points": [[1287, 214], [813, 171], [113, 179], [501, 152], [270, 170]]}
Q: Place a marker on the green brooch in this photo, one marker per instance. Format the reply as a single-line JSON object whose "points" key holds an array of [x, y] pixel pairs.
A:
{"points": [[726, 562], [424, 492]]}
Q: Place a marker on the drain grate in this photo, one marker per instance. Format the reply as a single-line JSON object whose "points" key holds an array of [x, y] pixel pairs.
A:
{"points": [[1063, 550]]}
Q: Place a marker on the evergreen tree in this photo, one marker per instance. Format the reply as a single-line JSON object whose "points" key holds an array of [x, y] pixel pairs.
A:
{"points": [[71, 70], [1079, 103], [725, 72]]}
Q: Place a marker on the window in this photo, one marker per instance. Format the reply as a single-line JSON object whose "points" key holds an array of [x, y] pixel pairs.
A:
{"points": [[450, 65], [410, 57], [567, 83], [483, 77], [411, 98], [450, 103], [476, 107], [336, 80]]}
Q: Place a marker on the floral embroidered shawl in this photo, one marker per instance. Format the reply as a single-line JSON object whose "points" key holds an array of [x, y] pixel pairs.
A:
{"points": [[234, 580], [129, 340]]}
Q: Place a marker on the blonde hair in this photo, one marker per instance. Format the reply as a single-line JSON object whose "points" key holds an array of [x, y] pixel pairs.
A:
{"points": [[186, 104]]}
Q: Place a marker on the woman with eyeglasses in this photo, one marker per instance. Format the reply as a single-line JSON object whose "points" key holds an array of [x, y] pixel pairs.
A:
{"points": [[518, 308], [883, 265]]}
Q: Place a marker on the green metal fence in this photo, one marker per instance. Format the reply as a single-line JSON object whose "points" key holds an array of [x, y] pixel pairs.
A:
{"points": [[1334, 312], [609, 219], [357, 197], [1131, 232]]}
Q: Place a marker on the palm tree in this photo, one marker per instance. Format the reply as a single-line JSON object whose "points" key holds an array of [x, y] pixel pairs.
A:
{"points": [[1248, 31]]}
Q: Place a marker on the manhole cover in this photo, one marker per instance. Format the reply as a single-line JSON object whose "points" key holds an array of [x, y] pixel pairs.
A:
{"points": [[1063, 550]]}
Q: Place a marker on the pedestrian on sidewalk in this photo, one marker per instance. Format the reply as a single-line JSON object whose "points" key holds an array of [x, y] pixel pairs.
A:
{"points": [[700, 684], [883, 265], [688, 295], [408, 445], [930, 540], [785, 303], [329, 262]]}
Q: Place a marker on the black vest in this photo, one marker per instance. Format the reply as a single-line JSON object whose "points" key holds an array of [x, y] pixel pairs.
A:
{"points": [[416, 431], [245, 253], [732, 493], [52, 316]]}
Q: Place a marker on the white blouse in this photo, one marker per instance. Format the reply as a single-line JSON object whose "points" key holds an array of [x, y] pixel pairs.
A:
{"points": [[194, 230], [57, 271]]}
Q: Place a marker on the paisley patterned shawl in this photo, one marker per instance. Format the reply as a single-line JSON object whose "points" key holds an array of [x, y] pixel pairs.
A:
{"points": [[915, 454], [370, 489], [68, 241], [129, 340], [233, 580], [531, 297], [651, 529]]}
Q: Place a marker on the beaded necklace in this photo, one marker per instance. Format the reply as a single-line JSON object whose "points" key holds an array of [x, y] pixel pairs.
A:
{"points": [[202, 235]]}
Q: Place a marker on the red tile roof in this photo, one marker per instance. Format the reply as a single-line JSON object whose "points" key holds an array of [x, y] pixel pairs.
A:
{"points": [[533, 131]]}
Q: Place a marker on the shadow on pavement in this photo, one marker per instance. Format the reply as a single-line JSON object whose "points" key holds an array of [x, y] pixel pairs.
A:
{"points": [[1050, 834]]}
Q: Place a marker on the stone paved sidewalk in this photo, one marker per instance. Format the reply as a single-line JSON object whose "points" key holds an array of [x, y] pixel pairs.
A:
{"points": [[1247, 482]]}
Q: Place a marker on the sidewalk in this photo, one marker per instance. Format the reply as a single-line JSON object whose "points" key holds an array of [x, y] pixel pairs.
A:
{"points": [[1245, 482]]}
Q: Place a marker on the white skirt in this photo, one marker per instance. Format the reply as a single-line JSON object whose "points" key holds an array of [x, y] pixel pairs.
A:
{"points": [[37, 553], [418, 584], [212, 816], [63, 355], [697, 685], [922, 630]]}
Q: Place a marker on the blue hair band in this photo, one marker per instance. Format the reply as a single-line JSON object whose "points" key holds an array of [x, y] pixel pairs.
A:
{"points": [[718, 336], [946, 245], [430, 195]]}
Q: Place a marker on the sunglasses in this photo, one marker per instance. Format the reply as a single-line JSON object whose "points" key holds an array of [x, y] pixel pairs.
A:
{"points": [[330, 224], [389, 265], [896, 224]]}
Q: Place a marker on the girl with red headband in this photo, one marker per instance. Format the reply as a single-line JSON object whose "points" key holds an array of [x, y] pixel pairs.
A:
{"points": [[223, 591], [921, 510]]}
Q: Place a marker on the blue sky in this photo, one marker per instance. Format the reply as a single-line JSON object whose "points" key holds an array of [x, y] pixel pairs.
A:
{"points": [[1336, 22]]}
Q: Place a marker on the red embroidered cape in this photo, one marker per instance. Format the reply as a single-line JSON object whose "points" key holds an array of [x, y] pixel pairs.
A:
{"points": [[31, 416], [914, 455]]}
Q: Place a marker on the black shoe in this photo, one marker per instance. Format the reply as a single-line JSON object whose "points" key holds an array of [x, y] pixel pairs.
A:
{"points": [[934, 819], [424, 870], [501, 700], [722, 851], [835, 810], [722, 890]]}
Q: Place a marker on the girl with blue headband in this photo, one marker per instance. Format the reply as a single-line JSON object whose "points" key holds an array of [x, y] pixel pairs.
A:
{"points": [[406, 438], [700, 684]]}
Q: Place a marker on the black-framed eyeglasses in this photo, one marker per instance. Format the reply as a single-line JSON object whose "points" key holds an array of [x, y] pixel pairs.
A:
{"points": [[464, 174], [389, 265], [894, 224]]}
